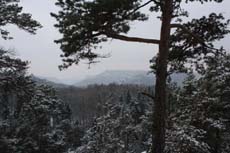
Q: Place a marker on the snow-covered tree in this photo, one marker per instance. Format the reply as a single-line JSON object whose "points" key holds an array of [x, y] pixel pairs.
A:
{"points": [[15, 89], [15, 85], [32, 118], [201, 121], [44, 123], [124, 128]]}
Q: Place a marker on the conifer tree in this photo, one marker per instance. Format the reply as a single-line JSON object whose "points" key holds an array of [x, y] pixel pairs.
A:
{"points": [[84, 25], [201, 121], [44, 123], [124, 128], [13, 83], [32, 118], [11, 13]]}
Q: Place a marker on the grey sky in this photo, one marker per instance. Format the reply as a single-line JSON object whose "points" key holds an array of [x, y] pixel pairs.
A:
{"points": [[43, 53]]}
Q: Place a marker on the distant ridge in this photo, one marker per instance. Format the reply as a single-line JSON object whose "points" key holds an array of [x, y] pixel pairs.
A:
{"points": [[40, 81], [111, 76], [124, 77]]}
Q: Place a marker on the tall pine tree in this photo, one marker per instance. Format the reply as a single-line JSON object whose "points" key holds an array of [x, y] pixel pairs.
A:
{"points": [[86, 24]]}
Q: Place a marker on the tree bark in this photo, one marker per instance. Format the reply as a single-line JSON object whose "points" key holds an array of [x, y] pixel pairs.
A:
{"points": [[159, 107]]}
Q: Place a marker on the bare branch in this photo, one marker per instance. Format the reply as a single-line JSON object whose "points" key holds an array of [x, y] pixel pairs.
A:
{"points": [[148, 95], [132, 39]]}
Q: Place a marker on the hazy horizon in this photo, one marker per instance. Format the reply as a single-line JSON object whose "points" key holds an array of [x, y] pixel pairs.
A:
{"points": [[72, 81], [44, 54]]}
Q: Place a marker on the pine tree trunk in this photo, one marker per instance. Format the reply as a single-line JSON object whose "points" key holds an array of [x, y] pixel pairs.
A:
{"points": [[159, 108]]}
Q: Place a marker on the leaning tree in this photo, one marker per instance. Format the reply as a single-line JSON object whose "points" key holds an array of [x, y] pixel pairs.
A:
{"points": [[85, 24]]}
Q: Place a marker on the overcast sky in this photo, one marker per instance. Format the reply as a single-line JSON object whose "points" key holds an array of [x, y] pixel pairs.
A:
{"points": [[44, 54]]}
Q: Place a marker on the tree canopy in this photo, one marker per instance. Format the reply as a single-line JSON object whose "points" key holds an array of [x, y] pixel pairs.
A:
{"points": [[86, 24], [32, 118], [11, 14]]}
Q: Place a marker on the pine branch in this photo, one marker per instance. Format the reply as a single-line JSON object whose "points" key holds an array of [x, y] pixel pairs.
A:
{"points": [[126, 38], [201, 41], [132, 39], [141, 6]]}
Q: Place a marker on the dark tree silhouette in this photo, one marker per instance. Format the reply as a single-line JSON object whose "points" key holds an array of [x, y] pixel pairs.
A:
{"points": [[86, 24], [11, 13]]}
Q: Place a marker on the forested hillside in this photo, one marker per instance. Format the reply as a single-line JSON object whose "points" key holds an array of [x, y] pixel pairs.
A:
{"points": [[113, 118], [198, 117], [87, 103]]}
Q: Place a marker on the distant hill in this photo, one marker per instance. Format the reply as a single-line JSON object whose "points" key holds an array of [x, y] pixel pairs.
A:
{"points": [[124, 77], [41, 80]]}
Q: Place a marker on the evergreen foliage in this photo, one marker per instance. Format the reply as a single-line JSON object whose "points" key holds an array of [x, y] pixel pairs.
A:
{"points": [[85, 24], [11, 13], [32, 118], [14, 83], [201, 121], [124, 128]]}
